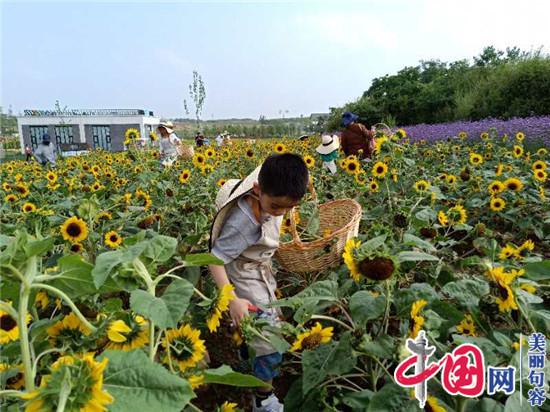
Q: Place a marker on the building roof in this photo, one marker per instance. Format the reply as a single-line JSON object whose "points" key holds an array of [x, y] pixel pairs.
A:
{"points": [[86, 112]]}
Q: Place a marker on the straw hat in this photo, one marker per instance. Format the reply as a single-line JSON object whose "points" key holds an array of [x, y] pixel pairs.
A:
{"points": [[328, 144], [227, 197], [169, 126]]}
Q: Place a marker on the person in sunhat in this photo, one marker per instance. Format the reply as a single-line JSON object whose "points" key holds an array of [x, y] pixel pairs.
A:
{"points": [[169, 141], [45, 152], [244, 236], [356, 138], [328, 150]]}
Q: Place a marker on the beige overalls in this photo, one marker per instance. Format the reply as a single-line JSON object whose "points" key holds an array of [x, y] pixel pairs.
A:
{"points": [[253, 277]]}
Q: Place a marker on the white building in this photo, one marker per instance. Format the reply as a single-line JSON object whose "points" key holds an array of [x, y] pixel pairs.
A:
{"points": [[80, 129]]}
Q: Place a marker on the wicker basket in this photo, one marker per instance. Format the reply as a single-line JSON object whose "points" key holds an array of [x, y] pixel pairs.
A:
{"points": [[186, 152], [342, 218]]}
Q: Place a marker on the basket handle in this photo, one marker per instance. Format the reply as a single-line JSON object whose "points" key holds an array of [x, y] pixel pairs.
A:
{"points": [[293, 230]]}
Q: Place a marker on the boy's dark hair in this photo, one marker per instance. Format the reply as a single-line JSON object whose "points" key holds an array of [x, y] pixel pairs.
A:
{"points": [[284, 175]]}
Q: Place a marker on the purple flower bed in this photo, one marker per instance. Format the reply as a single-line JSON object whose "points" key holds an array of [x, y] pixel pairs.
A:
{"points": [[536, 129]]}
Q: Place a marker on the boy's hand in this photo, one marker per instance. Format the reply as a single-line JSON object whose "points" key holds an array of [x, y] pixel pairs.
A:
{"points": [[238, 309]]}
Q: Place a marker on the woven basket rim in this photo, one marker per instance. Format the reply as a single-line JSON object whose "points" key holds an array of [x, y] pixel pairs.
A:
{"points": [[316, 244]]}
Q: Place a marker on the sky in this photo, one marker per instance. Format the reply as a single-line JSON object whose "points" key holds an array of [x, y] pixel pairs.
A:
{"points": [[271, 58]]}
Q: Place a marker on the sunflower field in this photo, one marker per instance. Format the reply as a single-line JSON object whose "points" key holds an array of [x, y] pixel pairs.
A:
{"points": [[106, 302]]}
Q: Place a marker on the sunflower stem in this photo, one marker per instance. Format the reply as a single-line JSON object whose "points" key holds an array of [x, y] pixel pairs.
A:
{"points": [[152, 340], [64, 393], [17, 273], [168, 353], [24, 333], [11, 392], [68, 301], [348, 327], [8, 309], [522, 311], [198, 292]]}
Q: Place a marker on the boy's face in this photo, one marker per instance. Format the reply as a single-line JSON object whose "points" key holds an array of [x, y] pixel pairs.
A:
{"points": [[274, 205]]}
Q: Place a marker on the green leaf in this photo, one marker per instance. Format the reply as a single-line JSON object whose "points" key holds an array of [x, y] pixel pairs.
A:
{"points": [[201, 259], [467, 292], [514, 403], [414, 256], [108, 261], [160, 248], [137, 384], [485, 405], [426, 215], [381, 347], [38, 247], [358, 401], [333, 358], [404, 298], [364, 306], [76, 276], [391, 398], [167, 310], [538, 271], [412, 240], [372, 244], [5, 240], [224, 375]]}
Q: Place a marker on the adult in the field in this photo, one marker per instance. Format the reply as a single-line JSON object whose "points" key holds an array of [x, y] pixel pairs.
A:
{"points": [[45, 152], [169, 141], [356, 139]]}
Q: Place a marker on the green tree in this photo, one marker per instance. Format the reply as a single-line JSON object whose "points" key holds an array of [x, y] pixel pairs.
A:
{"points": [[197, 92]]}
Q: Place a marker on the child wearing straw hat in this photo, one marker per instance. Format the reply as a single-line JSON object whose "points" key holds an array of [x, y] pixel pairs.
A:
{"points": [[328, 150], [245, 236]]}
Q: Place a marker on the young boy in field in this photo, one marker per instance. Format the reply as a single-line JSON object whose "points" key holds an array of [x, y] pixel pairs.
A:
{"points": [[245, 235]]}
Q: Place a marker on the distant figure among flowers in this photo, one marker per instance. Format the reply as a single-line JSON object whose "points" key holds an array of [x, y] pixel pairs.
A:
{"points": [[356, 138]]}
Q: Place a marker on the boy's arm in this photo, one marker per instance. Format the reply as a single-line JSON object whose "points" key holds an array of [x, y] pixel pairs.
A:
{"points": [[238, 308]]}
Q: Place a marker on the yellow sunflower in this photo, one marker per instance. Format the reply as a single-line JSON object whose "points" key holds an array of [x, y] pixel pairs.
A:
{"points": [[28, 208], [184, 347], [421, 186], [467, 326], [309, 161], [374, 186], [9, 329], [312, 338], [433, 405], [417, 321], [103, 216], [451, 179], [185, 175], [74, 230], [542, 152], [210, 153], [221, 304], [349, 258], [484, 136], [279, 148], [518, 151], [459, 212], [228, 407], [220, 182], [76, 247], [442, 218], [361, 178], [513, 184], [195, 381], [379, 169], [505, 300], [499, 170], [497, 204], [520, 136], [51, 176], [539, 165], [22, 189], [476, 159], [129, 335], [495, 187], [352, 166], [540, 175], [508, 251], [17, 381], [528, 245], [113, 239], [87, 394], [66, 327], [131, 134], [11, 198]]}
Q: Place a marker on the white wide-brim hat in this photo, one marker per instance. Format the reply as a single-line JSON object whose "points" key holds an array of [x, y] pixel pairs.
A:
{"points": [[328, 144], [227, 197], [169, 126]]}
